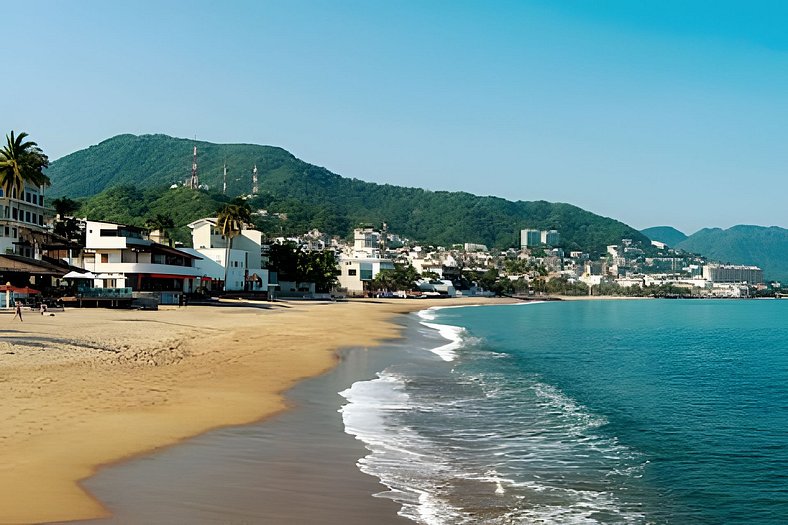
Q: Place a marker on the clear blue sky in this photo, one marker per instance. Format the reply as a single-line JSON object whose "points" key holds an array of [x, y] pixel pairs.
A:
{"points": [[652, 112]]}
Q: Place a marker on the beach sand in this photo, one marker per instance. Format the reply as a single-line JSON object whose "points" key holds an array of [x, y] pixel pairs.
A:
{"points": [[86, 388]]}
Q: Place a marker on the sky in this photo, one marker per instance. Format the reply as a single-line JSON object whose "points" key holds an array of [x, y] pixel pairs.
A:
{"points": [[659, 112]]}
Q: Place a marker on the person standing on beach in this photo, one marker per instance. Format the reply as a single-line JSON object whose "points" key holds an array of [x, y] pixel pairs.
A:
{"points": [[18, 312]]}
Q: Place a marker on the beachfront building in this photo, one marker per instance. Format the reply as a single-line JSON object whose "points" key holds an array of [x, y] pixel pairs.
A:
{"points": [[239, 269], [733, 274], [120, 257], [23, 220], [363, 262]]}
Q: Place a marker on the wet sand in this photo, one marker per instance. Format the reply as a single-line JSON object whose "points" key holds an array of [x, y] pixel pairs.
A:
{"points": [[298, 467], [87, 388]]}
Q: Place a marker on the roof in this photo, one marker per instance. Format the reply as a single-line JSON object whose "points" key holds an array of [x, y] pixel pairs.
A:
{"points": [[17, 263]]}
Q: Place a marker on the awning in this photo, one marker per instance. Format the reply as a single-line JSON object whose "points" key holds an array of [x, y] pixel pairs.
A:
{"points": [[23, 289], [170, 276], [109, 276], [77, 275]]}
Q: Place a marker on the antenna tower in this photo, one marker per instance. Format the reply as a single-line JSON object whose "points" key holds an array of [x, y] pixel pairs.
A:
{"points": [[194, 182], [255, 187], [224, 179]]}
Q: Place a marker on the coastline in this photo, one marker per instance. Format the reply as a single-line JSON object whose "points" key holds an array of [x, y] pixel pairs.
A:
{"points": [[90, 388]]}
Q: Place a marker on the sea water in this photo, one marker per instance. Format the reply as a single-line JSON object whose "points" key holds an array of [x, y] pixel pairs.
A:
{"points": [[646, 411]]}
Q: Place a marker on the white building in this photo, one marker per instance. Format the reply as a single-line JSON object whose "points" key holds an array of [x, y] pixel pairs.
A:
{"points": [[120, 257], [363, 262], [730, 273], [22, 221], [242, 266]]}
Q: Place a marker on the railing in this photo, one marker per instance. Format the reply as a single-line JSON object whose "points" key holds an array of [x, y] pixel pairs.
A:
{"points": [[105, 293]]}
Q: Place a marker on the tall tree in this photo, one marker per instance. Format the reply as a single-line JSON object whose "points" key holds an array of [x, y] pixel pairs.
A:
{"points": [[163, 223], [65, 207], [231, 220], [22, 162]]}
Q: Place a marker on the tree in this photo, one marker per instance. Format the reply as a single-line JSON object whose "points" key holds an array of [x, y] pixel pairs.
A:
{"points": [[231, 220], [65, 207], [293, 263], [163, 223], [22, 162]]}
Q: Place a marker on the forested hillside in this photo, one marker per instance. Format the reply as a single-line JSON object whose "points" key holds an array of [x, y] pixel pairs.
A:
{"points": [[310, 196], [667, 234]]}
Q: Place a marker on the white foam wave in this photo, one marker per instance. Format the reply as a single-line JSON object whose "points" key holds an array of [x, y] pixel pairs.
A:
{"points": [[453, 334], [403, 460]]}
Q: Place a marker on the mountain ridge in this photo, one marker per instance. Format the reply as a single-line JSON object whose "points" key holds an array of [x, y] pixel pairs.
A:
{"points": [[313, 196]]}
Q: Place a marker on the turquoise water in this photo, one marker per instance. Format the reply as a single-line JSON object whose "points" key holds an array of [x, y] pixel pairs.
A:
{"points": [[653, 411]]}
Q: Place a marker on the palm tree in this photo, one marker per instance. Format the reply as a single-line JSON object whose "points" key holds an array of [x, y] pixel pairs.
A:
{"points": [[231, 220], [21, 162], [163, 223]]}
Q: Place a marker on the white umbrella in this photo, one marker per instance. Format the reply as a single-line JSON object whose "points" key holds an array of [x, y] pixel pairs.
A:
{"points": [[77, 275]]}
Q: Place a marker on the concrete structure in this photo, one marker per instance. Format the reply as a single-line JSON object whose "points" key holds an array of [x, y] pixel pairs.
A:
{"points": [[530, 238], [121, 258], [363, 262], [733, 274], [471, 247], [550, 237], [23, 220], [243, 266]]}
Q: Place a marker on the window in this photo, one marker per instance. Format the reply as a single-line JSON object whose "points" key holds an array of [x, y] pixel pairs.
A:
{"points": [[41, 220], [27, 216], [13, 232], [14, 213], [351, 271], [108, 232], [28, 197], [104, 257], [7, 231], [35, 198]]}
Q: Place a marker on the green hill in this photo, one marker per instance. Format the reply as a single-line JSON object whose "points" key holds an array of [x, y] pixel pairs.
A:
{"points": [[311, 196], [667, 234], [744, 244]]}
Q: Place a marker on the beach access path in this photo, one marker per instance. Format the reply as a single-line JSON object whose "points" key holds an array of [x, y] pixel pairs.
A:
{"points": [[90, 387]]}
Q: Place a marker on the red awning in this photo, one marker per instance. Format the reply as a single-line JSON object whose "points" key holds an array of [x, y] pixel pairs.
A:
{"points": [[12, 288]]}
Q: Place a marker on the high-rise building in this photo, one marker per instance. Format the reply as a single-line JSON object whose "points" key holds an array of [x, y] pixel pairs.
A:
{"points": [[530, 238], [551, 237]]}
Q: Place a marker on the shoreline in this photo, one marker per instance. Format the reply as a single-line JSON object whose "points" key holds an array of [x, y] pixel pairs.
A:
{"points": [[87, 391]]}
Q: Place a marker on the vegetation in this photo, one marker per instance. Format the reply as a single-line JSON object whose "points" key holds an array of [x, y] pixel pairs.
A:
{"points": [[402, 278], [231, 220], [667, 234], [293, 263], [163, 223], [309, 196], [22, 162]]}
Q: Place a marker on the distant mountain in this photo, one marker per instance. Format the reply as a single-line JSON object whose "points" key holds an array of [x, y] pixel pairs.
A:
{"points": [[667, 234], [310, 196], [758, 245]]}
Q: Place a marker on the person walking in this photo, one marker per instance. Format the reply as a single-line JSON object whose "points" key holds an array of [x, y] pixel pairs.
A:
{"points": [[18, 312]]}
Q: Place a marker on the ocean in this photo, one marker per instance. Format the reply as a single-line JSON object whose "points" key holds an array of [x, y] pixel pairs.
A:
{"points": [[643, 411]]}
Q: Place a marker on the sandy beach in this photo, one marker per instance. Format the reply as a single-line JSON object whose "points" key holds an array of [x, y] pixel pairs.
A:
{"points": [[86, 388]]}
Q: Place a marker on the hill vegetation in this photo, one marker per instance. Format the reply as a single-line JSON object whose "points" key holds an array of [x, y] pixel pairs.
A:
{"points": [[744, 244], [125, 179], [667, 234]]}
